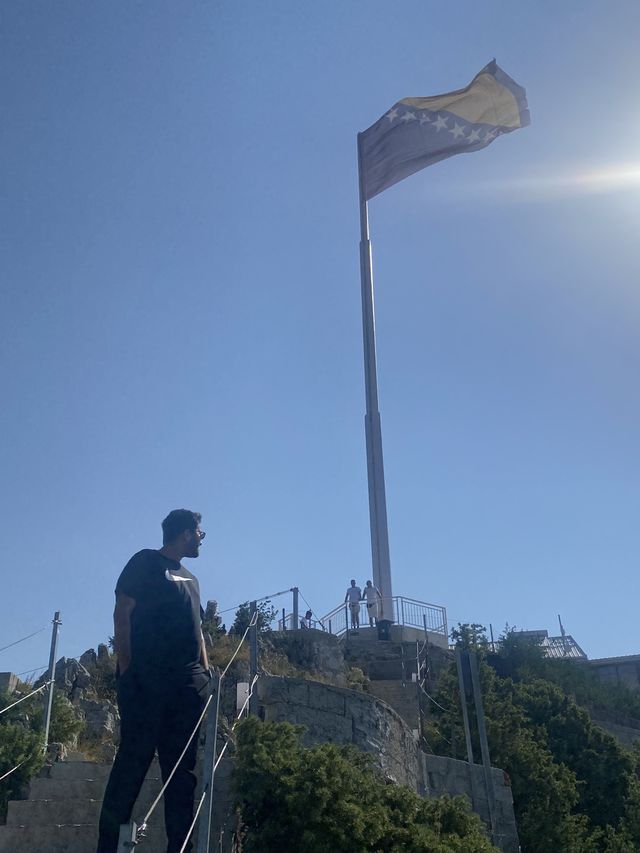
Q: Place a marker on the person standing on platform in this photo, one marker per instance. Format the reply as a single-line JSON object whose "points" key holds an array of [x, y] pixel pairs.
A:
{"points": [[354, 596], [162, 679], [373, 597]]}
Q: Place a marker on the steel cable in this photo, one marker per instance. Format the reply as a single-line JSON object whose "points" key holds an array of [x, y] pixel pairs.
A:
{"points": [[145, 819], [13, 769], [33, 693], [215, 766], [437, 704], [28, 637]]}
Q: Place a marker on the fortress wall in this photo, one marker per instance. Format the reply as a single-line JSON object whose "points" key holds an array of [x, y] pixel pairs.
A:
{"points": [[337, 715]]}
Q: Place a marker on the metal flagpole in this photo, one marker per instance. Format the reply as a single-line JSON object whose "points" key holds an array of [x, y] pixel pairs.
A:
{"points": [[373, 431]]}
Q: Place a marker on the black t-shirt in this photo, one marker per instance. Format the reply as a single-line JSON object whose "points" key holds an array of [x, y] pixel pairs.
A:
{"points": [[165, 623]]}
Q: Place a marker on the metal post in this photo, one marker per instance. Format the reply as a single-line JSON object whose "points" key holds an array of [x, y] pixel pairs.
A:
{"points": [[484, 743], [493, 645], [127, 840], [296, 620], [426, 650], [284, 620], [253, 659], [419, 692], [346, 619], [52, 663], [373, 431], [208, 773], [463, 703]]}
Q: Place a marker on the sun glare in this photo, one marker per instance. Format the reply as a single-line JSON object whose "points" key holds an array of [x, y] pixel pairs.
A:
{"points": [[574, 180]]}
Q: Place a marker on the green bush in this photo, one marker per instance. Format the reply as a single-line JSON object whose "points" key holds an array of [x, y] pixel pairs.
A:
{"points": [[329, 799]]}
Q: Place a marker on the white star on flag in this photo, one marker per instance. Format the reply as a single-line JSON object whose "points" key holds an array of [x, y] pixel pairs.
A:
{"points": [[474, 136], [408, 116], [457, 131], [392, 114], [440, 123], [424, 118]]}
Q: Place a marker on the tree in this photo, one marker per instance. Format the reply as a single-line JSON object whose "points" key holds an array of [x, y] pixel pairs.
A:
{"points": [[22, 739], [470, 636], [329, 799], [266, 615], [575, 788]]}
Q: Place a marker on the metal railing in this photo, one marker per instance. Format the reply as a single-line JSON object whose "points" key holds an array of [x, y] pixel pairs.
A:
{"points": [[406, 611]]}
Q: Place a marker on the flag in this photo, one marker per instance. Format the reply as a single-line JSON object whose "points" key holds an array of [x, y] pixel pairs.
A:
{"points": [[417, 132]]}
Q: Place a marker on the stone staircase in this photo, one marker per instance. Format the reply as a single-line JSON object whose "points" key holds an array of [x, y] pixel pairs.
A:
{"points": [[62, 811], [402, 698]]}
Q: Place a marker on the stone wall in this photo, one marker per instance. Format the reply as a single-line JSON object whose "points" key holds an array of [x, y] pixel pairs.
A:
{"points": [[621, 670], [8, 682], [457, 778], [336, 715]]}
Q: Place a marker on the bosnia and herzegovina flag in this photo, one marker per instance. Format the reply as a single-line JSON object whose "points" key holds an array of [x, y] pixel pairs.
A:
{"points": [[417, 132]]}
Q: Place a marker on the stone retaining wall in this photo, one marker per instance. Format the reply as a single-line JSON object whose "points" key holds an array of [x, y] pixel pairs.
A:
{"points": [[337, 715]]}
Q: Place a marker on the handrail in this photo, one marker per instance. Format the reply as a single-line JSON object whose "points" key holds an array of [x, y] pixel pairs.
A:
{"points": [[410, 612]]}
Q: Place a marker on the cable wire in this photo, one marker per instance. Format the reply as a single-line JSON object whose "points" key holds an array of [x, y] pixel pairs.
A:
{"points": [[40, 668], [145, 819], [264, 598], [437, 704], [28, 637], [252, 624], [13, 769], [193, 822], [33, 693], [319, 621]]}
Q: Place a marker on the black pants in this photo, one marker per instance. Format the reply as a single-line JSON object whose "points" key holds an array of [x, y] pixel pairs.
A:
{"points": [[156, 712]]}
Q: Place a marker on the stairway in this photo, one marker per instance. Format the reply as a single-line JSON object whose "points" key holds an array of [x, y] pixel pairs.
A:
{"points": [[403, 699], [62, 811]]}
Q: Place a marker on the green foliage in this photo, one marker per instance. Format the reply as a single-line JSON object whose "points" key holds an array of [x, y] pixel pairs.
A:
{"points": [[22, 738], [357, 680], [18, 743], [470, 636], [266, 614], [65, 725], [223, 648], [575, 788], [328, 799]]}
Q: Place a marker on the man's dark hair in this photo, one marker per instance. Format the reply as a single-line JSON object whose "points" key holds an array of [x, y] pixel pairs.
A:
{"points": [[178, 521]]}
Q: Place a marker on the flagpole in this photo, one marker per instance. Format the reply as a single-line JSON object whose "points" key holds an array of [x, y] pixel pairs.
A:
{"points": [[373, 431]]}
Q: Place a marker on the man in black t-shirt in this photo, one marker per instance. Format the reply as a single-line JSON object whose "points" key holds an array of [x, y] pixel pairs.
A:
{"points": [[162, 679]]}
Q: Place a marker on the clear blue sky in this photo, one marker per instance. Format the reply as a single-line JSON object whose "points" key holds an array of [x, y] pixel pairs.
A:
{"points": [[180, 314]]}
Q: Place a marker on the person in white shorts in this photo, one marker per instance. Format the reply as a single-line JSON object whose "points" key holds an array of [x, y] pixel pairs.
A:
{"points": [[373, 598], [354, 596]]}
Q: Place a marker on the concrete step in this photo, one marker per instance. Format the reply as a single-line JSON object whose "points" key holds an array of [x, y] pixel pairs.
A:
{"points": [[403, 700], [67, 839], [70, 810], [62, 812], [62, 789], [76, 770]]}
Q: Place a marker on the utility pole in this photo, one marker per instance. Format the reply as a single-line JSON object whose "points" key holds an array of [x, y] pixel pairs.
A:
{"points": [[463, 705], [253, 657], [484, 743], [52, 663], [208, 772]]}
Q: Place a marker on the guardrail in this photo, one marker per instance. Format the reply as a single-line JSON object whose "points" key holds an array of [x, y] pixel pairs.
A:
{"points": [[406, 611]]}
